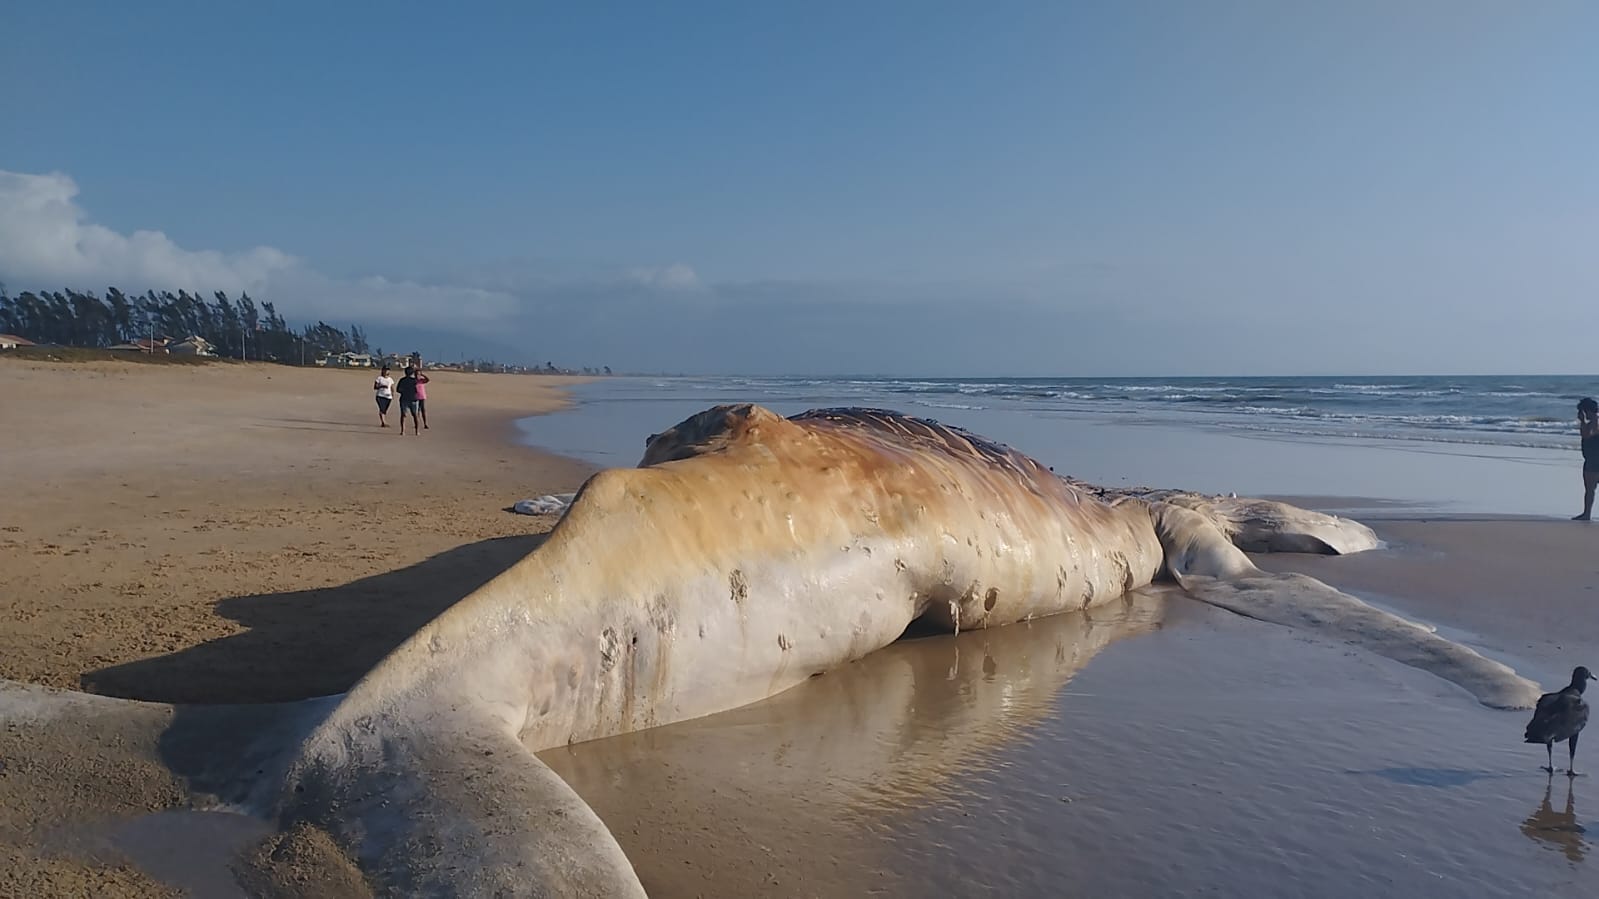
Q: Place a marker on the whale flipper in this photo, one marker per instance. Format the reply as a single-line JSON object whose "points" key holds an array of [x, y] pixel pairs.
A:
{"points": [[456, 807], [1210, 568]]}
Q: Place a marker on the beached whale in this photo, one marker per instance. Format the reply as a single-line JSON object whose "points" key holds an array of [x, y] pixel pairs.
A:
{"points": [[747, 553]]}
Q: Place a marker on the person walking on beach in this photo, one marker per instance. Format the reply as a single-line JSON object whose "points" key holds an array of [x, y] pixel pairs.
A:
{"points": [[422, 395], [407, 388], [1588, 425], [384, 387]]}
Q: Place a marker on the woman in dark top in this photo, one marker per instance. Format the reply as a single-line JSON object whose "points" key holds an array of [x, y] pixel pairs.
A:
{"points": [[407, 390], [1588, 424]]}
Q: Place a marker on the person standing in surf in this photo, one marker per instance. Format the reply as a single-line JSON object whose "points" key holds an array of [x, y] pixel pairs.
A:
{"points": [[1588, 425]]}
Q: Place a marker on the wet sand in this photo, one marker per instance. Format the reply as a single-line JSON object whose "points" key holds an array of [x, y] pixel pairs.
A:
{"points": [[1525, 590], [243, 539], [1197, 753]]}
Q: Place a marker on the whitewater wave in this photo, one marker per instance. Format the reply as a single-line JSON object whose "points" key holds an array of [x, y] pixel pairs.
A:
{"points": [[1525, 411]]}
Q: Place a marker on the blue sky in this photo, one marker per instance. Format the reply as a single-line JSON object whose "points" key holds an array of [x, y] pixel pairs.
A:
{"points": [[917, 188]]}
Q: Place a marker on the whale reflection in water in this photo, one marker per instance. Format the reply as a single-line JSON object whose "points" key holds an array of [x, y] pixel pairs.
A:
{"points": [[822, 765]]}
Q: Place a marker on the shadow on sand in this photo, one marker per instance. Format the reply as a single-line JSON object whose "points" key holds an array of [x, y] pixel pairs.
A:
{"points": [[345, 429], [1434, 777], [312, 642], [369, 423]]}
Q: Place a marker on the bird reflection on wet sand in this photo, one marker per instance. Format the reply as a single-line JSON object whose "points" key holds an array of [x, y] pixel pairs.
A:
{"points": [[1558, 829]]}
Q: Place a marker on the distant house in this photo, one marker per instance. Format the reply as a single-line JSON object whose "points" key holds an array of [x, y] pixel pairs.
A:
{"points": [[12, 341], [143, 345], [193, 345], [354, 360]]}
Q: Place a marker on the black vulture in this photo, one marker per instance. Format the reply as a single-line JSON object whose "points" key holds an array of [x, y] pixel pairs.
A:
{"points": [[1561, 716]]}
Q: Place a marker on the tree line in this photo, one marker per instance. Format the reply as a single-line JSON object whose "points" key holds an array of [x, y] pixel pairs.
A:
{"points": [[238, 328]]}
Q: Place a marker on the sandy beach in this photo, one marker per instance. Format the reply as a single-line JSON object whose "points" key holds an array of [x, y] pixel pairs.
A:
{"points": [[231, 533], [247, 534]]}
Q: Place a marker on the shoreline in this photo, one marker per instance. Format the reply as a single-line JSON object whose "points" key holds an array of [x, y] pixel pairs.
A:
{"points": [[246, 534], [133, 521]]}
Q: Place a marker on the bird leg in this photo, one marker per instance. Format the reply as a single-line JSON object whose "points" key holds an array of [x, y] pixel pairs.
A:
{"points": [[1550, 749], [1571, 757]]}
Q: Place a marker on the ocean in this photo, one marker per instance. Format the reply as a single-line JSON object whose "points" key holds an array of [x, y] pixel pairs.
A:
{"points": [[1479, 444]]}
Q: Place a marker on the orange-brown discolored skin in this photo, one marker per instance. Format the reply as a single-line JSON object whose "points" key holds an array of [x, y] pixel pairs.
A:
{"points": [[746, 554]]}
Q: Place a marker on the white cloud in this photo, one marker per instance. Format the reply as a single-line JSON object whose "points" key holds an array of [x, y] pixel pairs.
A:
{"points": [[644, 317], [46, 240], [1136, 316], [676, 276]]}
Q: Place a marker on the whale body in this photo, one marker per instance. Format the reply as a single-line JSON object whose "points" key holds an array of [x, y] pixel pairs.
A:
{"points": [[745, 554]]}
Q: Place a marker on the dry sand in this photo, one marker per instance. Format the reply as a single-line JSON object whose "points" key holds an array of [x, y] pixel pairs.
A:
{"points": [[245, 533], [228, 533]]}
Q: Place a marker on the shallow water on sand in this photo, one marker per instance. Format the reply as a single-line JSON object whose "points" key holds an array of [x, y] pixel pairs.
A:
{"points": [[192, 850], [1155, 747]]}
